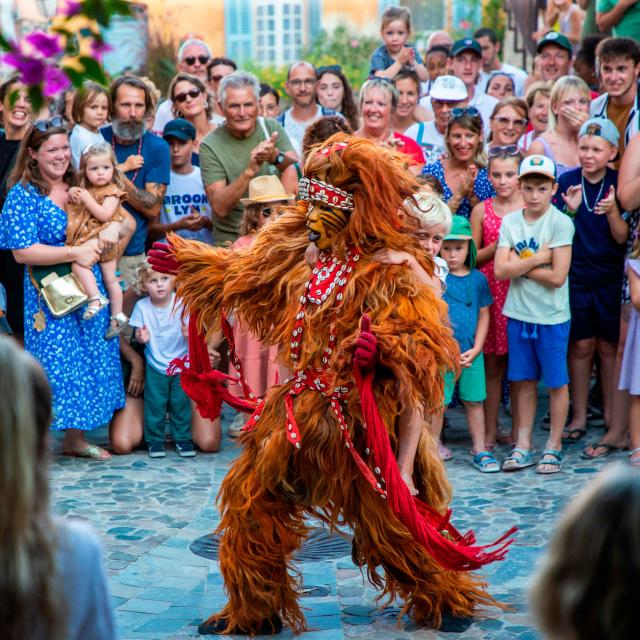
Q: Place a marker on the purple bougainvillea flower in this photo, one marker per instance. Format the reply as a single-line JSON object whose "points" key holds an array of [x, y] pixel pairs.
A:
{"points": [[70, 8], [98, 48], [31, 69], [55, 81], [46, 44]]}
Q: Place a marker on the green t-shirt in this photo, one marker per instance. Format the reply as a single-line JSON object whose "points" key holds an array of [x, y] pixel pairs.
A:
{"points": [[629, 26], [223, 157], [528, 300]]}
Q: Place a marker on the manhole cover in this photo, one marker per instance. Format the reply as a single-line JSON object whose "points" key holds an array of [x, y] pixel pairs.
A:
{"points": [[320, 544]]}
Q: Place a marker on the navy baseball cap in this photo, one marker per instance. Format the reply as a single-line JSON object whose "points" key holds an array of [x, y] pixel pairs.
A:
{"points": [[466, 44], [179, 128]]}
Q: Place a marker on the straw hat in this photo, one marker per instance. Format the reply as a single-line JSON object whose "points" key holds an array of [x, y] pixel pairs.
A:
{"points": [[266, 189]]}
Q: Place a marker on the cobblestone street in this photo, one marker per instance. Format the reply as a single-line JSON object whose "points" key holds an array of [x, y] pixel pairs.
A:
{"points": [[148, 512]]}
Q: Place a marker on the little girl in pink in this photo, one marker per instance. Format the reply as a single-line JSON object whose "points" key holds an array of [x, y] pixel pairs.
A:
{"points": [[266, 196], [486, 219]]}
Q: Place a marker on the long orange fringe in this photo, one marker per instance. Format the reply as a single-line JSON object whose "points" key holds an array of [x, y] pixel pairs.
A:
{"points": [[272, 486]]}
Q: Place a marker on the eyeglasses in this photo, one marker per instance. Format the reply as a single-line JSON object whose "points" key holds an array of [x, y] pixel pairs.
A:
{"points": [[308, 82], [191, 60], [192, 93], [504, 121], [458, 112], [329, 68], [508, 150], [53, 123]]}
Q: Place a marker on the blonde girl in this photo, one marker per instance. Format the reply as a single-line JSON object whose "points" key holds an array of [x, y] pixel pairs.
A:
{"points": [[92, 205], [89, 111], [568, 110]]}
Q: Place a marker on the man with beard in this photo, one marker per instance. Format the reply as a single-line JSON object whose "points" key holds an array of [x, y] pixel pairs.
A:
{"points": [[301, 88], [618, 69], [193, 57], [144, 159]]}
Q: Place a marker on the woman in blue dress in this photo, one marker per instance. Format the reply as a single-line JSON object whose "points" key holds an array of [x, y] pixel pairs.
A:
{"points": [[83, 368], [462, 172]]}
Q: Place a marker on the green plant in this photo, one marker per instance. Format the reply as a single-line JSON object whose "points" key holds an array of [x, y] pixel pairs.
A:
{"points": [[494, 17]]}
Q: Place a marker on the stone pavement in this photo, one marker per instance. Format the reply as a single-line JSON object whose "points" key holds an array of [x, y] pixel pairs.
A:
{"points": [[148, 512]]}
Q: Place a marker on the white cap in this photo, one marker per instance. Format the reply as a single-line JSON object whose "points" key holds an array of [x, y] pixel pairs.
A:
{"points": [[448, 88], [537, 165]]}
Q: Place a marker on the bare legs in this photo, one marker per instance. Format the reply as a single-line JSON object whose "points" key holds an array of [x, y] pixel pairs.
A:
{"points": [[494, 367], [410, 426]]}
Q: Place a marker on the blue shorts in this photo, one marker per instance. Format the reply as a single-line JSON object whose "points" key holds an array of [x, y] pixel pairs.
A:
{"points": [[536, 349], [595, 313]]}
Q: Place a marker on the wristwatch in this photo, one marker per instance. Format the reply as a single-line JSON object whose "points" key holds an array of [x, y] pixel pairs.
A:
{"points": [[279, 159]]}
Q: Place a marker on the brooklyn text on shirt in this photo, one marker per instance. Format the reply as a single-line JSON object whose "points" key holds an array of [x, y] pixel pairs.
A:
{"points": [[184, 204]]}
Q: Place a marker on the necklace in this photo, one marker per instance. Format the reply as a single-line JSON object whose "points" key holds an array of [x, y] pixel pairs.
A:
{"points": [[138, 152], [584, 195]]}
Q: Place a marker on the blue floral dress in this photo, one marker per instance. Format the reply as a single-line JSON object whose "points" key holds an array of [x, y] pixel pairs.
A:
{"points": [[83, 368], [482, 187]]}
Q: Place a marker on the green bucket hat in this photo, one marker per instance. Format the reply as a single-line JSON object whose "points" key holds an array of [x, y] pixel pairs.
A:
{"points": [[461, 230]]}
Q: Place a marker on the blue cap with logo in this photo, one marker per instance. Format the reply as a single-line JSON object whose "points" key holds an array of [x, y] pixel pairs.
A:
{"points": [[466, 44], [179, 128]]}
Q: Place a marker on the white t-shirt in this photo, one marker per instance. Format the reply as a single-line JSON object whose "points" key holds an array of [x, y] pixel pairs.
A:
{"points": [[163, 115], [295, 130], [519, 78], [429, 138], [184, 193], [165, 330], [485, 104], [528, 300], [79, 140]]}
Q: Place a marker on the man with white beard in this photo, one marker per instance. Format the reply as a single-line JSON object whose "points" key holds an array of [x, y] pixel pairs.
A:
{"points": [[143, 157]]}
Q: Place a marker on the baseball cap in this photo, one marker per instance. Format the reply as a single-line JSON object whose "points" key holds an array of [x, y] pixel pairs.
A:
{"points": [[448, 88], [553, 37], [537, 165], [602, 127], [466, 44], [461, 230], [179, 128]]}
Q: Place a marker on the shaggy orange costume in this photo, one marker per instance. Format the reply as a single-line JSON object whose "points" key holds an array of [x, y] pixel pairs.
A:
{"points": [[273, 484]]}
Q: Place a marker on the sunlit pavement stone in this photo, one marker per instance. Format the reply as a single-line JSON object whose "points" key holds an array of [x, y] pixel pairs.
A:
{"points": [[148, 512]]}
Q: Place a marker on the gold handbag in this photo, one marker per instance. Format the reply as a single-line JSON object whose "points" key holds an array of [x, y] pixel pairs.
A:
{"points": [[61, 290]]}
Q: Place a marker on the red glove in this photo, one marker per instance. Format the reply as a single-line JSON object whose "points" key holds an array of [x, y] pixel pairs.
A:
{"points": [[162, 259], [366, 346]]}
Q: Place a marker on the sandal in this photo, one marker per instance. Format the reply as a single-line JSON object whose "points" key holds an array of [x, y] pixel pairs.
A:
{"points": [[607, 449], [634, 462], [444, 453], [92, 310], [571, 436], [555, 462], [485, 462], [518, 459], [92, 451], [116, 326]]}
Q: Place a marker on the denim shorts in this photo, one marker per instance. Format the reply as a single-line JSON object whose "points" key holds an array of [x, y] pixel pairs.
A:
{"points": [[538, 349]]}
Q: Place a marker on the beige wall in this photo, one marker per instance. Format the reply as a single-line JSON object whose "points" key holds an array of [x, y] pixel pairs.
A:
{"points": [[190, 18], [360, 15]]}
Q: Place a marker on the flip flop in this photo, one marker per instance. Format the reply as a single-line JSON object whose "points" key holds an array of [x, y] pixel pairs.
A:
{"points": [[518, 459], [444, 452], [608, 448], [485, 462], [571, 438], [555, 462], [92, 451]]}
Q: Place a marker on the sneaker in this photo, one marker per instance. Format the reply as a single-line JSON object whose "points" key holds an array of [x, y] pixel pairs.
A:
{"points": [[185, 449], [156, 450]]}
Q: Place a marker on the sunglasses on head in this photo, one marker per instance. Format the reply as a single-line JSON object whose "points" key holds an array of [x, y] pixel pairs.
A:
{"points": [[190, 60], [329, 68], [458, 112], [181, 97], [53, 123], [507, 150]]}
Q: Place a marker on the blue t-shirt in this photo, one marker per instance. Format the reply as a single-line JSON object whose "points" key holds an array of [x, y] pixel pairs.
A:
{"points": [[597, 260], [466, 295], [381, 59], [156, 169]]}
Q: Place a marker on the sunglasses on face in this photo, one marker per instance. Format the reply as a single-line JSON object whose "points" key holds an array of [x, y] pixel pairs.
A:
{"points": [[508, 150], [504, 121], [458, 112], [53, 123], [191, 60], [181, 97]]}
